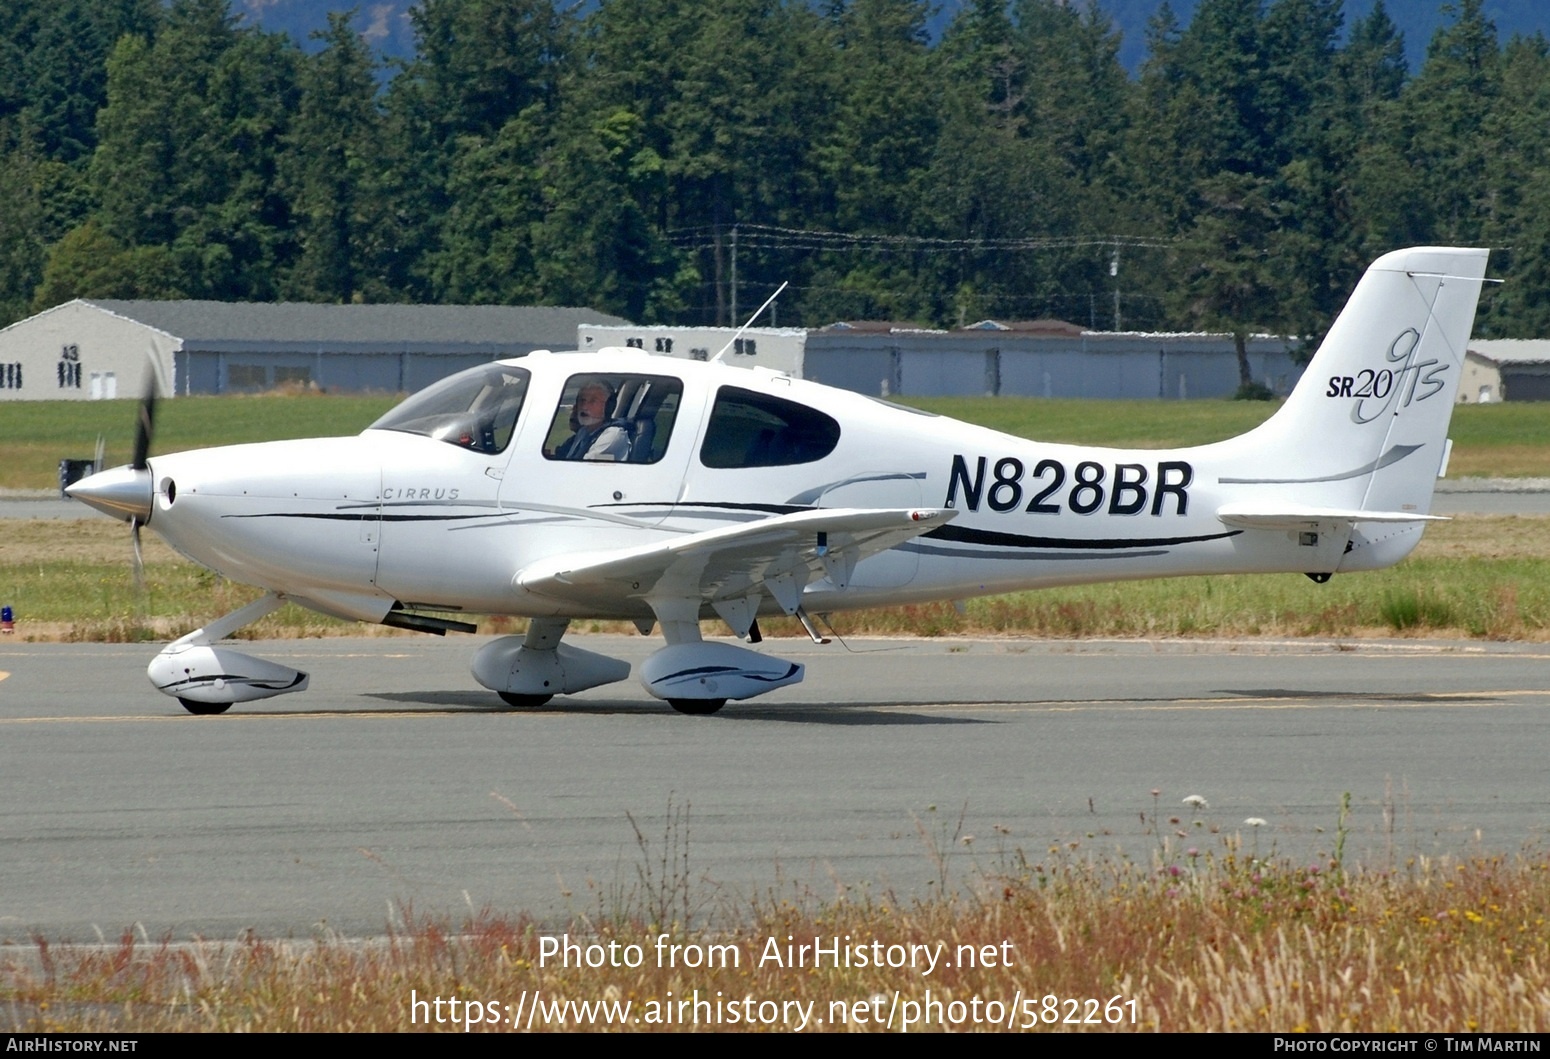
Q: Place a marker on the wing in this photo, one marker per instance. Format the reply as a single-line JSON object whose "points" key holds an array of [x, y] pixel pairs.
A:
{"points": [[731, 567]]}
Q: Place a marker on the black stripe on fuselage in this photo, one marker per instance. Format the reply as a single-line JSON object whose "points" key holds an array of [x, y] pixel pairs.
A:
{"points": [[365, 516], [676, 508], [999, 539]]}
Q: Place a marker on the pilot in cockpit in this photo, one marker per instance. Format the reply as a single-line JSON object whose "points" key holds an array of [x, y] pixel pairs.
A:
{"points": [[598, 436]]}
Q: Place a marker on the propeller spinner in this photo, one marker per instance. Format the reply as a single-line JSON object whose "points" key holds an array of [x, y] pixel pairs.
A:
{"points": [[127, 492]]}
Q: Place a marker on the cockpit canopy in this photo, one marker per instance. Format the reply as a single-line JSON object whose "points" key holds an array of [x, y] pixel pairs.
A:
{"points": [[475, 409]]}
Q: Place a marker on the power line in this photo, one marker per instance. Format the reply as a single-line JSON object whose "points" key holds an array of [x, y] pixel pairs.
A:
{"points": [[775, 237]]}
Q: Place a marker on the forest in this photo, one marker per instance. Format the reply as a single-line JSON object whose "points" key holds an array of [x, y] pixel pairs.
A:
{"points": [[674, 161]]}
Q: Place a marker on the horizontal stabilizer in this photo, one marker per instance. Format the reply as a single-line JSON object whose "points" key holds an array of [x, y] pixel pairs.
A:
{"points": [[1276, 515], [773, 554]]}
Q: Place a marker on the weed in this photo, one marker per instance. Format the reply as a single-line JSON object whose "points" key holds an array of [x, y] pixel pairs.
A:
{"points": [[1342, 829], [1407, 609], [665, 883], [939, 843]]}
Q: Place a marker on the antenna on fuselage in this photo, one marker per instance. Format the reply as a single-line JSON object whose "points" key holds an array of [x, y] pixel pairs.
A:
{"points": [[733, 340]]}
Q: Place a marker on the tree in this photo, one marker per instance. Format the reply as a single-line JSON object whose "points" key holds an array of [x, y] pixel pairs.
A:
{"points": [[65, 70], [331, 157], [1439, 125], [21, 249], [1231, 285], [189, 150], [479, 64], [89, 263]]}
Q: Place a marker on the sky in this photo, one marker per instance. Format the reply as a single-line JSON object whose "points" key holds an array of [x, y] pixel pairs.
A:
{"points": [[386, 24]]}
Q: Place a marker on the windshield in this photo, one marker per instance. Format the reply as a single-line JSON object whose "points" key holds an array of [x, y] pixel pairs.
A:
{"points": [[475, 409]]}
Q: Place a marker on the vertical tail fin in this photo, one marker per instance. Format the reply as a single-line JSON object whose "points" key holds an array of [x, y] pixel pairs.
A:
{"points": [[1366, 428]]}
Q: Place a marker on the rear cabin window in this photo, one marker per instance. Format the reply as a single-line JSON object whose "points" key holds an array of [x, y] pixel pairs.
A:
{"points": [[749, 429]]}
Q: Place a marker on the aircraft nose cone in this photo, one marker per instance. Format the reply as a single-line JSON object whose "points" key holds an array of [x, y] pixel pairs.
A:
{"points": [[123, 492]]}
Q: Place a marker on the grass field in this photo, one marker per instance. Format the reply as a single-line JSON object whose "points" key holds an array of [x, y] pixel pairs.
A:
{"points": [[1470, 577], [1502, 440], [36, 435]]}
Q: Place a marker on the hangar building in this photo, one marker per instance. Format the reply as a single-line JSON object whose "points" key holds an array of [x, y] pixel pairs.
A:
{"points": [[99, 348], [1506, 369], [1036, 358]]}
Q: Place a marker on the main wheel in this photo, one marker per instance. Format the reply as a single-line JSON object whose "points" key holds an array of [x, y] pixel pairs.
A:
{"points": [[204, 709], [697, 707], [523, 702]]}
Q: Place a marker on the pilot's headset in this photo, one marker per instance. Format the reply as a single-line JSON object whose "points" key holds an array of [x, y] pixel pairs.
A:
{"points": [[608, 406]]}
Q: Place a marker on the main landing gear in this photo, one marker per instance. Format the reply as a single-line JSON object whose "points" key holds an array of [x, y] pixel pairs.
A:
{"points": [[690, 675], [527, 671]]}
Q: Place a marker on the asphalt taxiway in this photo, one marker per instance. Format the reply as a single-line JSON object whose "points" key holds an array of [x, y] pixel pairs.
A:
{"points": [[396, 784]]}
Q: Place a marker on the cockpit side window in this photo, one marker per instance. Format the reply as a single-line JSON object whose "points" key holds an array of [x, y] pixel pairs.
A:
{"points": [[475, 409], [749, 429], [614, 418]]}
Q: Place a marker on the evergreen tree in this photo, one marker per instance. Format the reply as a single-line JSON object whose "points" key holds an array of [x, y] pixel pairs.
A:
{"points": [[479, 65], [21, 250], [1444, 112], [189, 151], [330, 162], [65, 70]]}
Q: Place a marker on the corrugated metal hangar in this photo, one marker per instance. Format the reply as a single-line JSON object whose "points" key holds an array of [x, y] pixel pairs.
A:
{"points": [[101, 348], [98, 348], [1037, 358]]}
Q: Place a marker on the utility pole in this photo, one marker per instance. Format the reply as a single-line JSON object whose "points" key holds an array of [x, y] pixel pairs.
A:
{"points": [[734, 318], [720, 290], [1114, 272]]}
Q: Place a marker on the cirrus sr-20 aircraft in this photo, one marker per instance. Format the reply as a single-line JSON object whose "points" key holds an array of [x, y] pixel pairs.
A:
{"points": [[621, 485]]}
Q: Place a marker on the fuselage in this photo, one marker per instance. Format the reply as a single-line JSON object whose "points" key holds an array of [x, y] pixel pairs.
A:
{"points": [[425, 513], [616, 484]]}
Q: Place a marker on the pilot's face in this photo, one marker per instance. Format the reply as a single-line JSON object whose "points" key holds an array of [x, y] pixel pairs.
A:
{"points": [[591, 405]]}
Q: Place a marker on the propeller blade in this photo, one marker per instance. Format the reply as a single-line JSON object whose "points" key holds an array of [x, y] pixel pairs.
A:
{"points": [[139, 563], [145, 427]]}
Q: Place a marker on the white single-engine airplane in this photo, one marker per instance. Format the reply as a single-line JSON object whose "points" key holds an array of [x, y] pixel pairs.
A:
{"points": [[620, 485]]}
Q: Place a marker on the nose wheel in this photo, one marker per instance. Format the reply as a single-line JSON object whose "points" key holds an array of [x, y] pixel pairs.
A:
{"points": [[204, 709]]}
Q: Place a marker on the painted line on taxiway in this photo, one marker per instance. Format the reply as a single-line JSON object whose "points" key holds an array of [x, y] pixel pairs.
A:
{"points": [[312, 715], [1472, 699]]}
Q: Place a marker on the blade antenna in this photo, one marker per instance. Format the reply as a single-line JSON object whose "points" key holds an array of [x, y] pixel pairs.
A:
{"points": [[733, 340]]}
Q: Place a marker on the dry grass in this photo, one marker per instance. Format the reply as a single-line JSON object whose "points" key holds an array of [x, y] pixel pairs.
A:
{"points": [[1501, 460], [1203, 942]]}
